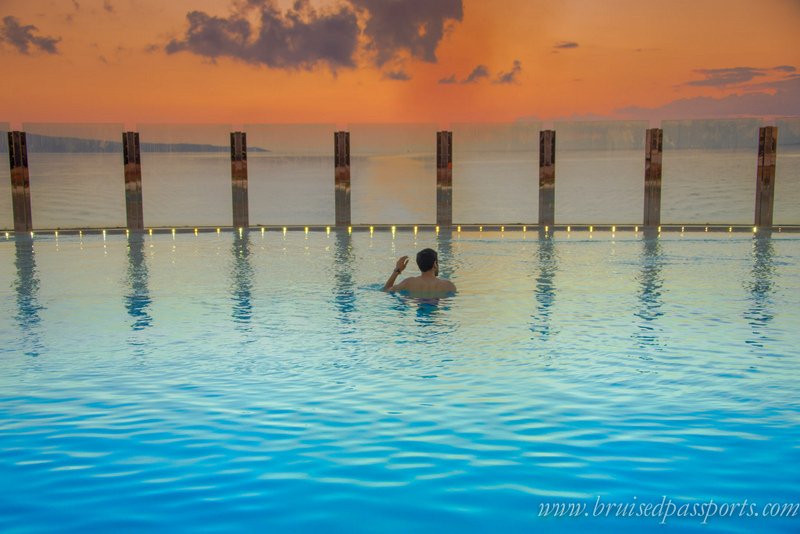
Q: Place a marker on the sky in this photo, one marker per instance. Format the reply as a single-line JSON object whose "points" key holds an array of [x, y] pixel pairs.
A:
{"points": [[388, 61]]}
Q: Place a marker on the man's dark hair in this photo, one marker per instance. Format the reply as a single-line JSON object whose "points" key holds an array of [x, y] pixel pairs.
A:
{"points": [[426, 258]]}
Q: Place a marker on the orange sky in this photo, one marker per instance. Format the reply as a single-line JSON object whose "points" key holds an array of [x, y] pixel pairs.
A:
{"points": [[108, 61]]}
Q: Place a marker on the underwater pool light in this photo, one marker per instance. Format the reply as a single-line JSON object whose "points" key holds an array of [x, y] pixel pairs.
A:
{"points": [[458, 228], [328, 230]]}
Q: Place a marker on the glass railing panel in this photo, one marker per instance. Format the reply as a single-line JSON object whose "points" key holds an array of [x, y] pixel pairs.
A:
{"points": [[787, 173], [76, 175], [393, 173], [599, 172], [290, 174], [709, 171], [186, 174], [496, 173]]}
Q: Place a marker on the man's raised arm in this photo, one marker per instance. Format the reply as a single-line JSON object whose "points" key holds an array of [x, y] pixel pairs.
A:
{"points": [[401, 265]]}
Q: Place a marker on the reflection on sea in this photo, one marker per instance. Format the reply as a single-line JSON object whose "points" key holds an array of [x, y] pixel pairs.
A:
{"points": [[242, 281], [137, 300], [761, 286], [545, 289], [651, 284], [27, 288]]}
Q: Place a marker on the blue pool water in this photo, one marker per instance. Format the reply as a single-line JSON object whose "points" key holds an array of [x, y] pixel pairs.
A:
{"points": [[221, 383]]}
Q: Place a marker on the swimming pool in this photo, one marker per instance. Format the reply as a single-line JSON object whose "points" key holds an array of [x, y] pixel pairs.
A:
{"points": [[220, 382]]}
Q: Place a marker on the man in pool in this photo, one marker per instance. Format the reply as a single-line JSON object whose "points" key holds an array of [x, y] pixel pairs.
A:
{"points": [[426, 284]]}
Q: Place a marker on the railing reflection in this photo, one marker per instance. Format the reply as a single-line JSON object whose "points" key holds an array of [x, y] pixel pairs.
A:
{"points": [[761, 286], [344, 296], [545, 289], [138, 300], [651, 287], [27, 288], [242, 281]]}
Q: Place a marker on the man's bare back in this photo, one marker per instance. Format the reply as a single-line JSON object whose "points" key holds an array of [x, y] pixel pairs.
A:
{"points": [[427, 284]]}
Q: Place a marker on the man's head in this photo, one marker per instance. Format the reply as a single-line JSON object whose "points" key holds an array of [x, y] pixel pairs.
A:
{"points": [[427, 260]]}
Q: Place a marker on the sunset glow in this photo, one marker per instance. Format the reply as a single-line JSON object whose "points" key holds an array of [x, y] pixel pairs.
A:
{"points": [[444, 61]]}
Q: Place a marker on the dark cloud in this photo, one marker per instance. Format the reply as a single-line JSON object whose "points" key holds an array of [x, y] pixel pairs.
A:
{"points": [[397, 75], [299, 38], [726, 77], [481, 71], [782, 100], [566, 44], [448, 80], [302, 36], [510, 76], [784, 68], [414, 27], [108, 6], [23, 38]]}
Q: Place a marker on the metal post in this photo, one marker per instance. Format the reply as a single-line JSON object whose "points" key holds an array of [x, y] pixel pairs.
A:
{"points": [[444, 178], [547, 177], [765, 180], [132, 160], [20, 181], [241, 214], [652, 177], [341, 147]]}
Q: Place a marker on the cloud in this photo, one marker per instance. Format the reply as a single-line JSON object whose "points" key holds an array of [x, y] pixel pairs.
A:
{"points": [[448, 80], [565, 45], [481, 71], [108, 6], [23, 38], [414, 27], [510, 76], [784, 68], [397, 75], [780, 99], [726, 77], [302, 37]]}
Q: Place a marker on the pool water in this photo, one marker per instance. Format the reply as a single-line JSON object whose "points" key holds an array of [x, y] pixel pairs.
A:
{"points": [[264, 382]]}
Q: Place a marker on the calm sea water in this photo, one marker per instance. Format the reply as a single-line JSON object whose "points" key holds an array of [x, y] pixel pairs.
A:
{"points": [[221, 383], [593, 187]]}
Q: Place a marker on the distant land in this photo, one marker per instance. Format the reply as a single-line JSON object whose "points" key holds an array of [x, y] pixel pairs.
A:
{"points": [[46, 143]]}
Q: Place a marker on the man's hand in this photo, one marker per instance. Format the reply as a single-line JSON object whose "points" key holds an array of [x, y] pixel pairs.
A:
{"points": [[401, 264]]}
